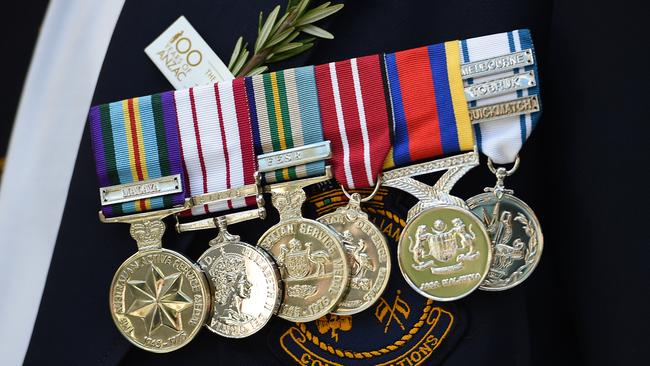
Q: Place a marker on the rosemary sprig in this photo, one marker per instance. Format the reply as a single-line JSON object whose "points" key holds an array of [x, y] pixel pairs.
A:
{"points": [[278, 38]]}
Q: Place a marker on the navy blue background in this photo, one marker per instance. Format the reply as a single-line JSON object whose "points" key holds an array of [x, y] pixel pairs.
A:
{"points": [[586, 303]]}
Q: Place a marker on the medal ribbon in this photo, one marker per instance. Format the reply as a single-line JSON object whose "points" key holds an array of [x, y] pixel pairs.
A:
{"points": [[136, 140], [284, 114], [355, 118], [502, 139], [216, 142], [429, 109]]}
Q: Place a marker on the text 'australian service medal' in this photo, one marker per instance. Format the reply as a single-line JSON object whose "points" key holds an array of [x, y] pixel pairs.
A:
{"points": [[159, 300], [367, 254], [311, 259], [444, 253], [245, 287]]}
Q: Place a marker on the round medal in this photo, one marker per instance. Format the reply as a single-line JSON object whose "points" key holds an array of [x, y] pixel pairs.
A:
{"points": [[245, 285], [444, 253], [367, 254], [517, 239], [312, 265], [159, 300]]}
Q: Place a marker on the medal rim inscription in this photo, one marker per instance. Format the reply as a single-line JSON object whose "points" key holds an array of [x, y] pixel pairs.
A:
{"points": [[205, 292], [473, 203], [345, 276], [277, 286], [402, 243], [351, 311]]}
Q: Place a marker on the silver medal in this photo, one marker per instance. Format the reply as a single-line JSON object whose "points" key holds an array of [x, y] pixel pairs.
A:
{"points": [[515, 232]]}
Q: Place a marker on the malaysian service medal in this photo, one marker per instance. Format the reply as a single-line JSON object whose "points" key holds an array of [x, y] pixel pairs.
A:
{"points": [[444, 251], [158, 298], [291, 155], [501, 68], [354, 115], [245, 282]]}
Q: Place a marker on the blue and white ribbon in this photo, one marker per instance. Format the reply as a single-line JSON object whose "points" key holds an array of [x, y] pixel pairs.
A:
{"points": [[501, 139]]}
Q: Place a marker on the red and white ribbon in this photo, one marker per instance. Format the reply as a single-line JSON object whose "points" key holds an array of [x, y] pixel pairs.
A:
{"points": [[355, 118], [216, 141]]}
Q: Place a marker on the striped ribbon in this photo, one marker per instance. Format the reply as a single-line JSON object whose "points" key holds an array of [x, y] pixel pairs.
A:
{"points": [[428, 105], [355, 118], [216, 141], [212, 134], [285, 114], [502, 139], [136, 140]]}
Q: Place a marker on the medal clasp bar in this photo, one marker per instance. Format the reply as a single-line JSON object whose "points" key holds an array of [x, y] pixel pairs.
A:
{"points": [[293, 157], [147, 228], [437, 195], [140, 190]]}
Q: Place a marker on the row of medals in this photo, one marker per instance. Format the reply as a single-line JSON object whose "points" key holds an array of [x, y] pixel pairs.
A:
{"points": [[303, 269]]}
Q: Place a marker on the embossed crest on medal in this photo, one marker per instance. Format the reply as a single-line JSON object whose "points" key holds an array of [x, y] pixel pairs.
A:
{"points": [[312, 261], [245, 287], [313, 267], [367, 255], [159, 300], [517, 240], [444, 253]]}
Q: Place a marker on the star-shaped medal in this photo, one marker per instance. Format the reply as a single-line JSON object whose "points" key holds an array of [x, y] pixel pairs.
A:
{"points": [[159, 300]]}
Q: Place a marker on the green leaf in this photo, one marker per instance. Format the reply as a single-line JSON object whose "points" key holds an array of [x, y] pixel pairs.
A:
{"points": [[280, 36], [258, 70], [291, 53], [300, 8], [279, 23], [241, 60], [235, 52], [315, 15], [266, 29], [259, 22], [316, 31], [323, 5], [291, 37], [286, 47], [291, 4]]}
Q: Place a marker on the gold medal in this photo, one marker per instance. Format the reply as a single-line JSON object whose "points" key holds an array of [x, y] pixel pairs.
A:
{"points": [[367, 254], [444, 251], [158, 298], [311, 258]]}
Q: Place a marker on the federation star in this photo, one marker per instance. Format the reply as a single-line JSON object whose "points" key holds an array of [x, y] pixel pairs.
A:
{"points": [[159, 300]]}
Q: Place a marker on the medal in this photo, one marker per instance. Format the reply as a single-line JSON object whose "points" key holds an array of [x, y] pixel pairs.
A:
{"points": [[515, 232], [444, 251], [158, 298], [514, 229], [244, 279], [291, 151], [355, 119], [312, 261], [367, 254]]}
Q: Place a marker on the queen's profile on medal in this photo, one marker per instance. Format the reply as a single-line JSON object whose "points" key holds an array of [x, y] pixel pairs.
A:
{"points": [[232, 288]]}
